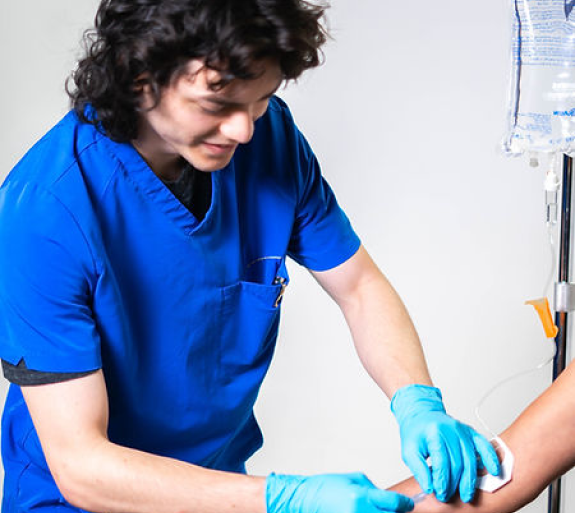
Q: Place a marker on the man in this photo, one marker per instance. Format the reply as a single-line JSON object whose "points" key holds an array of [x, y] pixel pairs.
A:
{"points": [[143, 244]]}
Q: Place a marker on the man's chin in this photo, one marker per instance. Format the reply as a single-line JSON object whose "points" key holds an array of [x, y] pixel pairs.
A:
{"points": [[209, 165]]}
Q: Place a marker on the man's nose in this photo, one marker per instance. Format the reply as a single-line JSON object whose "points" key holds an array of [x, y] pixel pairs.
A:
{"points": [[238, 126]]}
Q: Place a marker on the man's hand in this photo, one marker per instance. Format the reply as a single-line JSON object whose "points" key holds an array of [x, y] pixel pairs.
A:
{"points": [[331, 493], [428, 432]]}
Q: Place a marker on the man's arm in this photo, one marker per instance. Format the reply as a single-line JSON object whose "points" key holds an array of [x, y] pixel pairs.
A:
{"points": [[92, 473], [389, 349], [542, 440], [383, 333]]}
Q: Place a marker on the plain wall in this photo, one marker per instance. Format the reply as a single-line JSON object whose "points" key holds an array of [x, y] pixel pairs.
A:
{"points": [[406, 117]]}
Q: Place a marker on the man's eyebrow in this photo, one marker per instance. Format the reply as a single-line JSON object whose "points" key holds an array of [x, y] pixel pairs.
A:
{"points": [[223, 101]]}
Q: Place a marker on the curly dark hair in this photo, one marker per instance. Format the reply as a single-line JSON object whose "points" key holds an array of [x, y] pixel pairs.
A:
{"points": [[137, 42]]}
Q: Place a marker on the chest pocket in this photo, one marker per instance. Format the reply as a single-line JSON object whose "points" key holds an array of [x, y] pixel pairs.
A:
{"points": [[250, 318]]}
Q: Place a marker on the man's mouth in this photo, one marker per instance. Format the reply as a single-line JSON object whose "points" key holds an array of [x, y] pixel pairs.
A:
{"points": [[219, 149]]}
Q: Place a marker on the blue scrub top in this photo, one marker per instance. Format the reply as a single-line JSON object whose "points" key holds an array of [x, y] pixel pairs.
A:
{"points": [[102, 267]]}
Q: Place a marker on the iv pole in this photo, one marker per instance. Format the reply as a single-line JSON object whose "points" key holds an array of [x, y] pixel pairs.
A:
{"points": [[560, 361]]}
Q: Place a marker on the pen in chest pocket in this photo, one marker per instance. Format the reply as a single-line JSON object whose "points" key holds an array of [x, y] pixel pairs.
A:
{"points": [[278, 280]]}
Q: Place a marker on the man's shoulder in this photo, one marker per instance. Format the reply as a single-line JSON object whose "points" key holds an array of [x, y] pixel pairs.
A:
{"points": [[279, 113], [70, 158], [276, 128], [53, 179], [278, 105], [56, 152]]}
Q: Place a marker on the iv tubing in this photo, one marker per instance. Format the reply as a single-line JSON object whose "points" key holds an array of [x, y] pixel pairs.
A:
{"points": [[418, 497], [545, 362], [548, 360]]}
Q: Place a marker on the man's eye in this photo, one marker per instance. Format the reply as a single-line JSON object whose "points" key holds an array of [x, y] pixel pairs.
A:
{"points": [[213, 109]]}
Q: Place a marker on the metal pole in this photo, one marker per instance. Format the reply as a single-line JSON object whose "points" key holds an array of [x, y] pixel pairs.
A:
{"points": [[560, 361]]}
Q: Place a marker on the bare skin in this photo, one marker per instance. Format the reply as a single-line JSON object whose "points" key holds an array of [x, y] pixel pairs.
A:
{"points": [[383, 333]]}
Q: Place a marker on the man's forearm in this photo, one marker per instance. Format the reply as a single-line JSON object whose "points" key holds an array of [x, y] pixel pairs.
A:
{"points": [[92, 473], [383, 333], [114, 479]]}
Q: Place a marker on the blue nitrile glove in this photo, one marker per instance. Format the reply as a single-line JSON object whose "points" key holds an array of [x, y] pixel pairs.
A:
{"points": [[428, 432], [331, 493]]}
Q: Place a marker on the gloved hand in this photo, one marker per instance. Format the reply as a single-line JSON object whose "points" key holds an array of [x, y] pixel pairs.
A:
{"points": [[331, 493], [427, 431]]}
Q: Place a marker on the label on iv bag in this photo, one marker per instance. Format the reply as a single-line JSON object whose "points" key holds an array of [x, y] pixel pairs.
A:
{"points": [[542, 99]]}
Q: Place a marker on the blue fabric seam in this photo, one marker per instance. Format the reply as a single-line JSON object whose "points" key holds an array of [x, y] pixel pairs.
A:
{"points": [[119, 165], [293, 130], [26, 467], [73, 217], [290, 124], [76, 223], [74, 162], [99, 137], [20, 479]]}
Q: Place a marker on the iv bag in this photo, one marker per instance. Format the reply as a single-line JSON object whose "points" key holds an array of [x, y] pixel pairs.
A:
{"points": [[542, 100]]}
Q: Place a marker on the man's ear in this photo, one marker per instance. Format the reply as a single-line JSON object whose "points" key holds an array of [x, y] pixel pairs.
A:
{"points": [[143, 89], [140, 82]]}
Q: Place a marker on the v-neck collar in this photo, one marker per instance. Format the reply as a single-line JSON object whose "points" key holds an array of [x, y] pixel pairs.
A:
{"points": [[143, 177]]}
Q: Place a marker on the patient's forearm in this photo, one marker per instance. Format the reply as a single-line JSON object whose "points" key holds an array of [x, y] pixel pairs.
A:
{"points": [[542, 441], [523, 488]]}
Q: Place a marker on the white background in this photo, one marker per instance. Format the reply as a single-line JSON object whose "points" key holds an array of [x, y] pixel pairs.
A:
{"points": [[406, 117]]}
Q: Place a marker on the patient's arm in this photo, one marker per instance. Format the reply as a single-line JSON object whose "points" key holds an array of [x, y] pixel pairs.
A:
{"points": [[542, 439]]}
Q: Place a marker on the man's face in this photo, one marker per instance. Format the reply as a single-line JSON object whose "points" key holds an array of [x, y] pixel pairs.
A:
{"points": [[201, 125]]}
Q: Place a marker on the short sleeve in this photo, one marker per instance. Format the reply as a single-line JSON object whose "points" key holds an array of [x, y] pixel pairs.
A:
{"points": [[322, 237], [47, 276]]}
